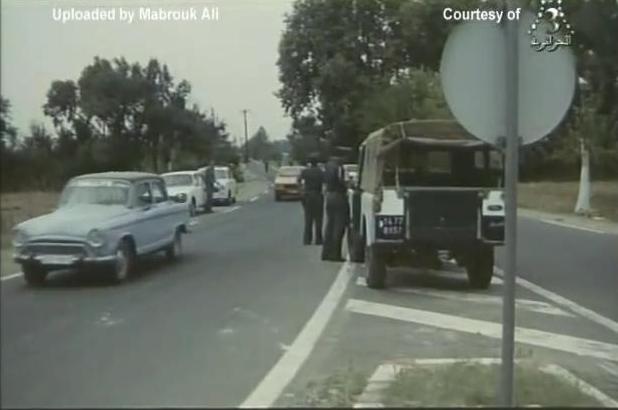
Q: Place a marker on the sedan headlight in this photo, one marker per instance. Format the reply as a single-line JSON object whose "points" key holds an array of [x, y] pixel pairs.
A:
{"points": [[19, 238], [95, 238]]}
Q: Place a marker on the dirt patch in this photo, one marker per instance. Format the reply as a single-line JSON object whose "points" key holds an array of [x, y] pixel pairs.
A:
{"points": [[560, 197], [474, 384], [337, 390]]}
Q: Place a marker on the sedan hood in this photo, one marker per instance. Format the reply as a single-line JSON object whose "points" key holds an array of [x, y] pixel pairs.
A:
{"points": [[75, 220]]}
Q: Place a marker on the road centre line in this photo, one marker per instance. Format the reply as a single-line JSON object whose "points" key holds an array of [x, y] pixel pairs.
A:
{"points": [[565, 343], [564, 302], [566, 225], [255, 198], [232, 209], [610, 368], [13, 276], [524, 304], [270, 388]]}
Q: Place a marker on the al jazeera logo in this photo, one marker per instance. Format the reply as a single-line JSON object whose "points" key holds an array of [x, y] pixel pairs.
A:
{"points": [[550, 29]]}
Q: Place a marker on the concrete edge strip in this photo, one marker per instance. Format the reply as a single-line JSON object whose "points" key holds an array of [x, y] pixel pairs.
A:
{"points": [[570, 226], [583, 386], [524, 304], [539, 338], [564, 302], [385, 373], [281, 374]]}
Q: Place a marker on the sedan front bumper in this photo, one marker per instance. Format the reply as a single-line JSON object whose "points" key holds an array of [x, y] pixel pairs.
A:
{"points": [[63, 261]]}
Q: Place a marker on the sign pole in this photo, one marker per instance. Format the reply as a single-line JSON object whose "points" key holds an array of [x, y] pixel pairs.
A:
{"points": [[510, 187]]}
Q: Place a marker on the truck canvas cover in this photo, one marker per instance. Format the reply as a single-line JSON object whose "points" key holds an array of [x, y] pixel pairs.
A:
{"points": [[421, 133]]}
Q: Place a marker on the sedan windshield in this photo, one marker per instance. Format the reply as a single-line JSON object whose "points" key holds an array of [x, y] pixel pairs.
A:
{"points": [[95, 192], [178, 180]]}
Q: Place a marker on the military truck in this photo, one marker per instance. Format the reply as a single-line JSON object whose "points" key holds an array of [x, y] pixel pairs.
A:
{"points": [[426, 188]]}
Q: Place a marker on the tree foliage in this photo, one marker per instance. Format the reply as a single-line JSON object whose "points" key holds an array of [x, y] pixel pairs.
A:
{"points": [[117, 116], [348, 67]]}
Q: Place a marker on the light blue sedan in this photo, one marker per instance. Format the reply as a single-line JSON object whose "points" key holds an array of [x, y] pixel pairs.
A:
{"points": [[106, 219]]}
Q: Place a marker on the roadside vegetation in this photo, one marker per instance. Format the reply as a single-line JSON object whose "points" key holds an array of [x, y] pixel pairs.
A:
{"points": [[345, 74], [559, 197], [466, 384]]}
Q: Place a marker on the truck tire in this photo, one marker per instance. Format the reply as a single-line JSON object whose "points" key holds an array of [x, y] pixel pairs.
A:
{"points": [[480, 267], [356, 246], [34, 275], [376, 268], [125, 262]]}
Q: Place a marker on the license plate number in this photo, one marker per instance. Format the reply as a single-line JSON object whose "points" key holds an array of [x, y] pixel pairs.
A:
{"points": [[56, 259]]}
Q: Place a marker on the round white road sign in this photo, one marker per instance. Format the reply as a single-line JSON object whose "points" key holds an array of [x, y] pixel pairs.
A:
{"points": [[472, 72]]}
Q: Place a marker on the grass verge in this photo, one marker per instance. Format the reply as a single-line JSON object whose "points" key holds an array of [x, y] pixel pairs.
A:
{"points": [[473, 384], [560, 197]]}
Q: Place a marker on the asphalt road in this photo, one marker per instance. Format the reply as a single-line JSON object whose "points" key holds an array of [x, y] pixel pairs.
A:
{"points": [[205, 330], [577, 264], [200, 332]]}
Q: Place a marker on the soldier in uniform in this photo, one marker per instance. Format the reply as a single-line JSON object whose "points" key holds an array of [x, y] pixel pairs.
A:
{"points": [[312, 180], [209, 179], [337, 212]]}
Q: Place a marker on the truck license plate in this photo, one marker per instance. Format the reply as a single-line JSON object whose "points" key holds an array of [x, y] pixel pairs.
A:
{"points": [[55, 259]]}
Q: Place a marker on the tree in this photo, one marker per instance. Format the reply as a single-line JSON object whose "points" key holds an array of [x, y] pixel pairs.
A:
{"points": [[8, 133], [416, 94], [259, 145]]}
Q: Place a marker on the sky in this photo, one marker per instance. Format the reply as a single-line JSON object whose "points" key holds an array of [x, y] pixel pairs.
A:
{"points": [[230, 62]]}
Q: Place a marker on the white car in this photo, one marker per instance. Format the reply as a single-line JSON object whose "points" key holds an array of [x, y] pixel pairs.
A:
{"points": [[188, 186], [225, 184]]}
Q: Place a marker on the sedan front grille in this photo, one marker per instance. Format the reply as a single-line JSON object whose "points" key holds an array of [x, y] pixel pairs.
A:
{"points": [[52, 248]]}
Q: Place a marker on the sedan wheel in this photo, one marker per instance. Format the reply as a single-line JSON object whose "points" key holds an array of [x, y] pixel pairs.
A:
{"points": [[175, 249], [124, 262]]}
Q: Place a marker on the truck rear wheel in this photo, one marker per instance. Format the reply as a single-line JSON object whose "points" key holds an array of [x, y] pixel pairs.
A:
{"points": [[376, 268], [480, 267]]}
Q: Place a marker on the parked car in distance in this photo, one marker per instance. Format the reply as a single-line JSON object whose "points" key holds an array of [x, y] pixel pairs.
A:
{"points": [[189, 187], [225, 185], [102, 220], [286, 182]]}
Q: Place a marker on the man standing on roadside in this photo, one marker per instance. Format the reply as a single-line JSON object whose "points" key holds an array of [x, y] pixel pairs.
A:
{"points": [[209, 179], [312, 180], [336, 210]]}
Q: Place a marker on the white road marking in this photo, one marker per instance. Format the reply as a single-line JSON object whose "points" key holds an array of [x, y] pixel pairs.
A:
{"points": [[232, 209], [13, 276], [570, 344], [386, 373], [270, 388], [584, 387], [610, 368], [523, 304], [255, 198], [566, 225], [564, 302]]}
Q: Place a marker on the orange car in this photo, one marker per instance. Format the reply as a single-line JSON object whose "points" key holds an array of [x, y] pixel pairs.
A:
{"points": [[286, 182]]}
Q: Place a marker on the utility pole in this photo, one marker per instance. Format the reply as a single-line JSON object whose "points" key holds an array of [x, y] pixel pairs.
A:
{"points": [[244, 113]]}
